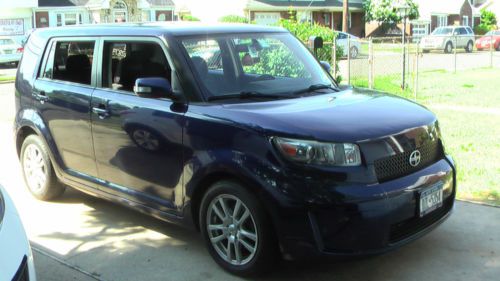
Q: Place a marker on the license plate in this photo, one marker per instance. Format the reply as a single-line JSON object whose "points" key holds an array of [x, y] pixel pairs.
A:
{"points": [[431, 199], [8, 52]]}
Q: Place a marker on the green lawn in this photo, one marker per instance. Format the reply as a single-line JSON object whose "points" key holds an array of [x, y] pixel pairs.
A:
{"points": [[5, 78], [468, 107]]}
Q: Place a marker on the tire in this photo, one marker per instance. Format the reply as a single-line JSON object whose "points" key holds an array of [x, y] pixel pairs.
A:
{"points": [[448, 48], [354, 52], [425, 51], [37, 169], [257, 223], [469, 47]]}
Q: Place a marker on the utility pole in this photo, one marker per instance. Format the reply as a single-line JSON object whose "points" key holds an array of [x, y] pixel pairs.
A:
{"points": [[345, 16]]}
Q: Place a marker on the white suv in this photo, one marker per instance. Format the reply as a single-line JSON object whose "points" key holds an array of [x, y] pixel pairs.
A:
{"points": [[448, 37]]}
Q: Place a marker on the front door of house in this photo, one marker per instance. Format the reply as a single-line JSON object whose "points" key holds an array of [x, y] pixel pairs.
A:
{"points": [[42, 19]]}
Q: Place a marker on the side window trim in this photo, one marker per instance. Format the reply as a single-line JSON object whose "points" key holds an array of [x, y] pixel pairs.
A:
{"points": [[125, 39], [45, 59], [49, 53]]}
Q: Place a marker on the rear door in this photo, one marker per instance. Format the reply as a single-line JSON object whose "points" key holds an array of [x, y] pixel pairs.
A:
{"points": [[137, 141], [62, 95]]}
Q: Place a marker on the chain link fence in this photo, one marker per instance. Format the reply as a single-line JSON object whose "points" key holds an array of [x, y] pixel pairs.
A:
{"points": [[378, 62]]}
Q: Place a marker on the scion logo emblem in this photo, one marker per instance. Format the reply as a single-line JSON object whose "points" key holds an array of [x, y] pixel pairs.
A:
{"points": [[415, 158]]}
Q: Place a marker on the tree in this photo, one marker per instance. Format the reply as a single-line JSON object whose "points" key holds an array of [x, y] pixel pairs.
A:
{"points": [[488, 18], [385, 11], [488, 22]]}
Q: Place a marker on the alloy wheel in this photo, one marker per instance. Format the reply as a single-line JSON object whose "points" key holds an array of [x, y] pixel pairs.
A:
{"points": [[232, 229], [34, 167]]}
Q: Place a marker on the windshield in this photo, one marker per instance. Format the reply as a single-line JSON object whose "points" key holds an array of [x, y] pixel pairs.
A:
{"points": [[263, 63], [443, 31]]}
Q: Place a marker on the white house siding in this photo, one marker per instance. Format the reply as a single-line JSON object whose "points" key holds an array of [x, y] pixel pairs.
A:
{"points": [[16, 18]]}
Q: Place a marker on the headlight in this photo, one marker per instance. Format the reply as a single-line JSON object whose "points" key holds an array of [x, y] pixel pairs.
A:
{"points": [[312, 152]]}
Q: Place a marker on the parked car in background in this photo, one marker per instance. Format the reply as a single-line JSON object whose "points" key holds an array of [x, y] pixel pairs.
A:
{"points": [[16, 259], [447, 38], [342, 41], [10, 51], [492, 38], [234, 130]]}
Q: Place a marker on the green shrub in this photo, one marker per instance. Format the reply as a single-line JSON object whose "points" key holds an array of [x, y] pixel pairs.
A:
{"points": [[481, 29], [234, 19], [189, 18]]}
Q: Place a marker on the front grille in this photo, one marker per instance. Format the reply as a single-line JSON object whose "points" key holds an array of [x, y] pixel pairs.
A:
{"points": [[407, 228], [22, 273], [398, 165]]}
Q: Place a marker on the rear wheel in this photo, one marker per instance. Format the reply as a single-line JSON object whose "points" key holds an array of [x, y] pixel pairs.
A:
{"points": [[38, 173], [354, 52], [448, 48], [469, 47], [236, 230]]}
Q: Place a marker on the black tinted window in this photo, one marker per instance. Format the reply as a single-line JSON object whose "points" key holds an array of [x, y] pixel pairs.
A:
{"points": [[462, 31], [71, 61], [125, 62]]}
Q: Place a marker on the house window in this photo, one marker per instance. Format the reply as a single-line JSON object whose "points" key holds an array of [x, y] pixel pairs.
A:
{"points": [[70, 19], [63, 19], [420, 30], [465, 20], [442, 21]]}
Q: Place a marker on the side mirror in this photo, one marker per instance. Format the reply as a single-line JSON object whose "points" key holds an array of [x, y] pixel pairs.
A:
{"points": [[154, 87], [326, 66]]}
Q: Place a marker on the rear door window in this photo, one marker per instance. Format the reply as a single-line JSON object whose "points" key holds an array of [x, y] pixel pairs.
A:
{"points": [[126, 61], [70, 61]]}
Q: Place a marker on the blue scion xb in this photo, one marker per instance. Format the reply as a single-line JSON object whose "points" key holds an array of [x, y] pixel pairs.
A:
{"points": [[235, 130]]}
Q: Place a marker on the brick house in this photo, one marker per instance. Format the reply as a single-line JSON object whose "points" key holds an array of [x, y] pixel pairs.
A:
{"points": [[324, 12], [74, 12]]}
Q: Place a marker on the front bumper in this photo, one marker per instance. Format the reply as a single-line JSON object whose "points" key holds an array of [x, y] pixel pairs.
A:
{"points": [[366, 219], [16, 259], [431, 46]]}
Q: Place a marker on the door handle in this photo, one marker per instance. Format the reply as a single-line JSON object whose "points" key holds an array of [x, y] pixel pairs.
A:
{"points": [[41, 97], [101, 111]]}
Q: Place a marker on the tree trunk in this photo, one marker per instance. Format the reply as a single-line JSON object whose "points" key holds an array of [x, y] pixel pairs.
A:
{"points": [[345, 16]]}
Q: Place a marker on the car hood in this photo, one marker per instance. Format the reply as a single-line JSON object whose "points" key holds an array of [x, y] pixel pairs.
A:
{"points": [[351, 115]]}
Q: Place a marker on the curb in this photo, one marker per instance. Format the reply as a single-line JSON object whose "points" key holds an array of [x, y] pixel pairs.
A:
{"points": [[478, 203]]}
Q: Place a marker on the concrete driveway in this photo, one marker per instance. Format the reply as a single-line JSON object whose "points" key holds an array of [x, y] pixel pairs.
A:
{"points": [[82, 238]]}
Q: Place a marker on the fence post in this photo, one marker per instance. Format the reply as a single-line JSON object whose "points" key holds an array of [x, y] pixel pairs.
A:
{"points": [[334, 58], [492, 42], [370, 63], [349, 60], [455, 55], [415, 87]]}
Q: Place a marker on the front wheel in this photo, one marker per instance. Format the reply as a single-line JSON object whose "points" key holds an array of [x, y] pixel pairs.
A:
{"points": [[236, 230], [469, 47], [38, 173], [448, 48]]}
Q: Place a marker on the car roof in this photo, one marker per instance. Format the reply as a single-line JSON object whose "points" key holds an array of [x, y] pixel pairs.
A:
{"points": [[154, 29]]}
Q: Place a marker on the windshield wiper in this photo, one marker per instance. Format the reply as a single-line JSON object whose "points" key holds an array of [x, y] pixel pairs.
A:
{"points": [[249, 95], [315, 87]]}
